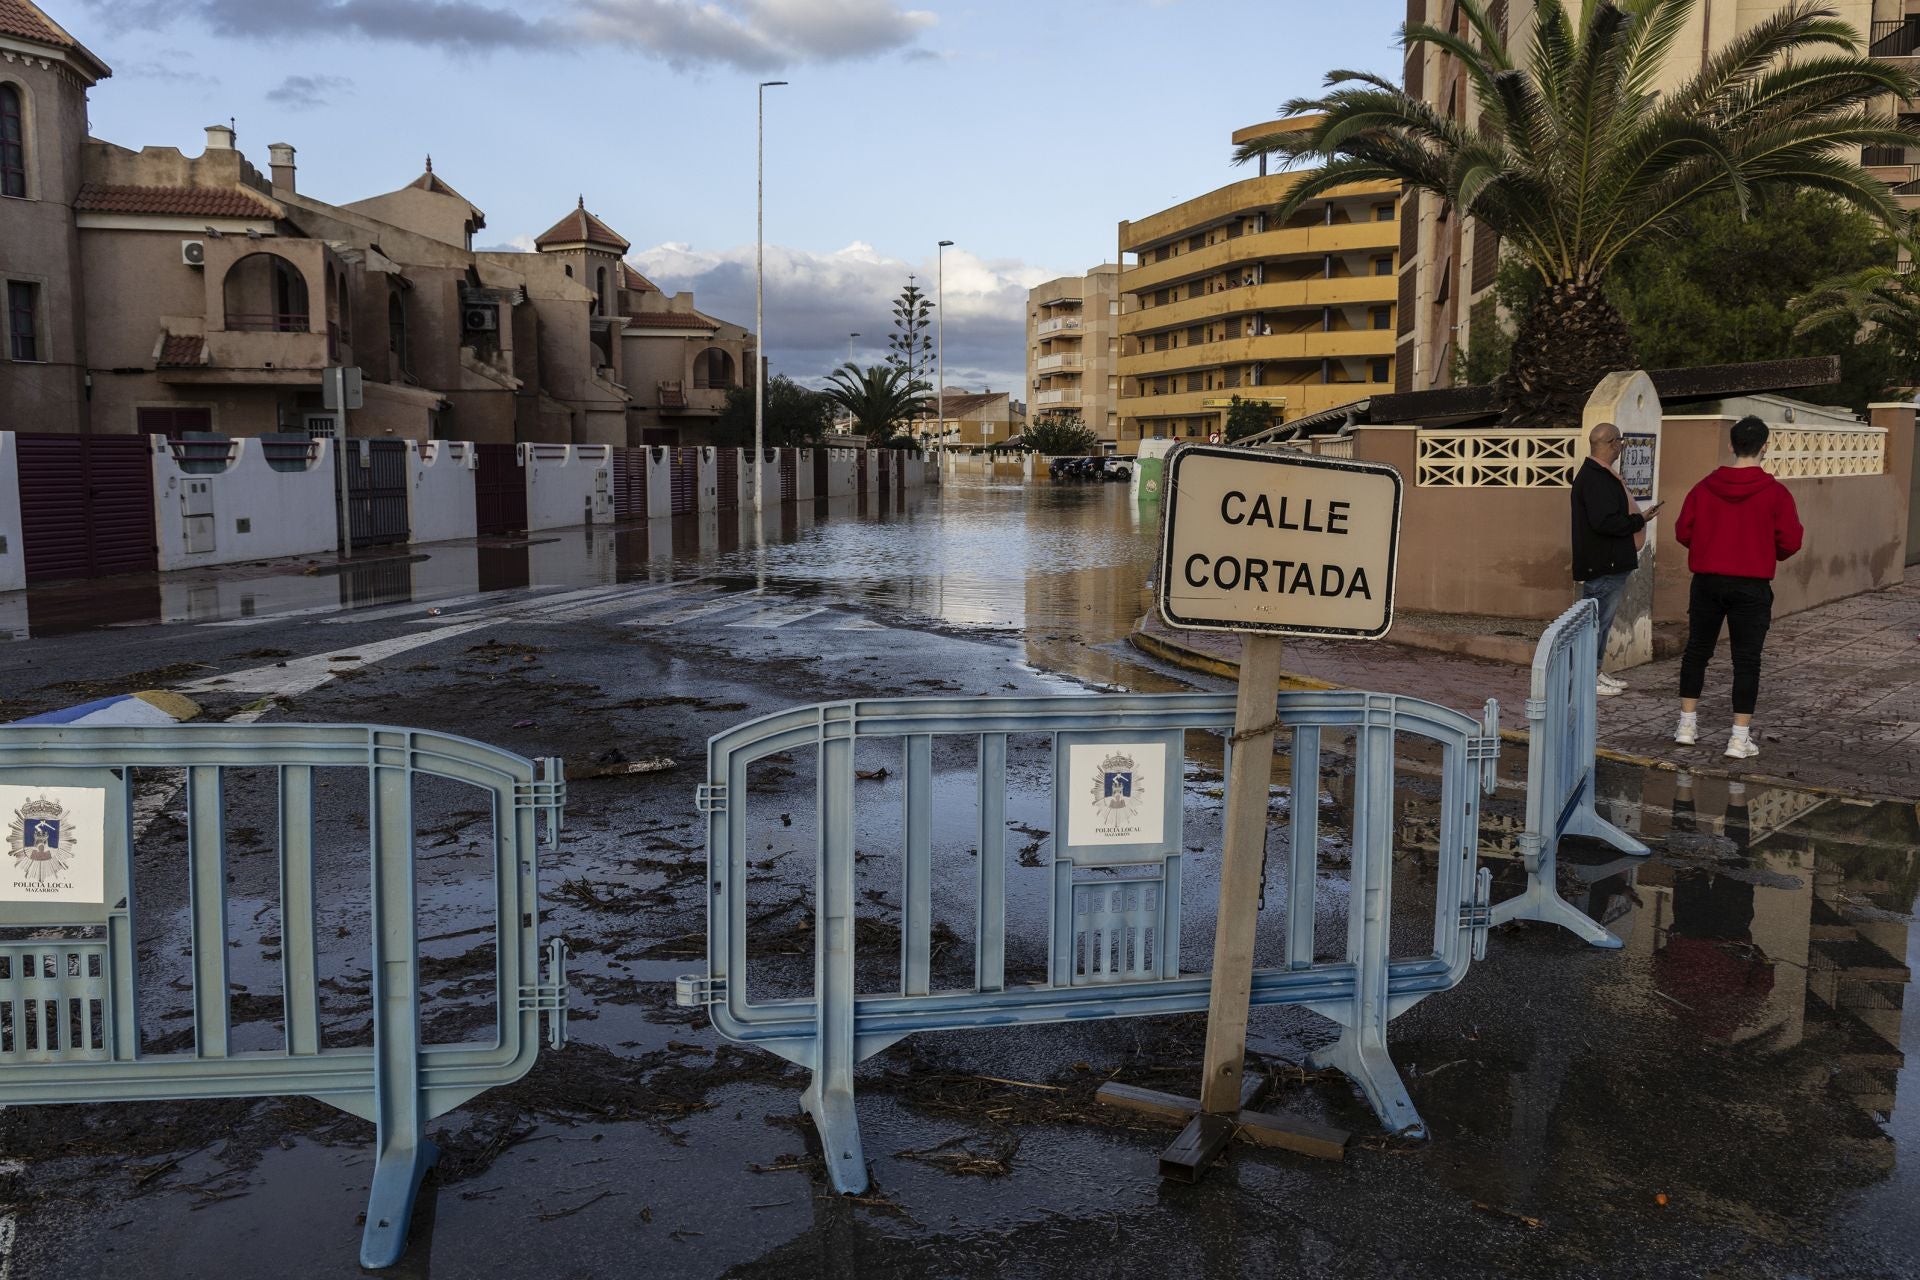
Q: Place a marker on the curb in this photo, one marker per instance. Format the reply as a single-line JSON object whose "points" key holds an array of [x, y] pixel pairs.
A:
{"points": [[1180, 655]]}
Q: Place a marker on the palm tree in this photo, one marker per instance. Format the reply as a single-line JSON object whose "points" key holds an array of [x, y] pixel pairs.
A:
{"points": [[879, 398], [1884, 298], [1577, 155]]}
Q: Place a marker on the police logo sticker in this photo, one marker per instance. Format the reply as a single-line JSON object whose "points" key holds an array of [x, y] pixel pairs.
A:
{"points": [[54, 844], [1123, 801]]}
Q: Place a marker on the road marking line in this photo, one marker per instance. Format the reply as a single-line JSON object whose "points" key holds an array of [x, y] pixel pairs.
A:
{"points": [[860, 624], [779, 616], [300, 675], [699, 609], [399, 610]]}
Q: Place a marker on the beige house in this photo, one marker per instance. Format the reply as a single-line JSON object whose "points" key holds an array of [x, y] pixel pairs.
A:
{"points": [[1220, 298], [979, 420], [1073, 349], [156, 291], [1448, 263]]}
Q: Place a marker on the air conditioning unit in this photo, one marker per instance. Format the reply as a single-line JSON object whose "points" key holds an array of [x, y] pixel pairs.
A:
{"points": [[480, 319], [193, 252]]}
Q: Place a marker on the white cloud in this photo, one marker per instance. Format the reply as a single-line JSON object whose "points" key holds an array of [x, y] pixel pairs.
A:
{"points": [[814, 300], [304, 93]]}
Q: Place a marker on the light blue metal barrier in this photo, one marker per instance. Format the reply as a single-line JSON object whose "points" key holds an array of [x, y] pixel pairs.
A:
{"points": [[1561, 714], [1113, 949], [72, 1029]]}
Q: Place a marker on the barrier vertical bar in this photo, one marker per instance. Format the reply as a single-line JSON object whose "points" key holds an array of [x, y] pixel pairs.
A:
{"points": [[916, 890], [1361, 1051], [206, 853], [297, 968], [403, 1153], [829, 1098], [120, 933], [1303, 854], [990, 903]]}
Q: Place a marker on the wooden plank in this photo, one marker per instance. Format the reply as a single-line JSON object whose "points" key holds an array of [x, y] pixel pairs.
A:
{"points": [[1197, 1147], [1171, 1106], [1293, 1133], [1249, 777]]}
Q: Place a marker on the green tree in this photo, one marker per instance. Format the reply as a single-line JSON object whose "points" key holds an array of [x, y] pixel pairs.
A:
{"points": [[1247, 417], [1060, 435], [910, 346], [1576, 158], [1881, 302], [881, 399], [794, 416]]}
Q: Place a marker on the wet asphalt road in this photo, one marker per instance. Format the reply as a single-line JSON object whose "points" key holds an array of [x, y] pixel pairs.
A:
{"points": [[1733, 1094]]}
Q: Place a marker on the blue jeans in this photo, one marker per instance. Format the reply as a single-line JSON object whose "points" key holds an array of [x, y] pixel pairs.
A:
{"points": [[1608, 590]]}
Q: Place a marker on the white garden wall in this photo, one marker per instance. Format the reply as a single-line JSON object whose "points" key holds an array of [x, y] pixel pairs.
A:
{"points": [[440, 495], [249, 511], [568, 485], [13, 546]]}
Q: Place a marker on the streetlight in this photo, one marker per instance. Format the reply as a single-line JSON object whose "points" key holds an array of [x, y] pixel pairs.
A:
{"points": [[759, 291], [940, 345], [850, 338]]}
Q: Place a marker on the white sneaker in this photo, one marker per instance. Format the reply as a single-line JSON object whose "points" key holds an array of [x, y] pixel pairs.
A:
{"points": [[1602, 689], [1688, 731], [1610, 682], [1742, 747]]}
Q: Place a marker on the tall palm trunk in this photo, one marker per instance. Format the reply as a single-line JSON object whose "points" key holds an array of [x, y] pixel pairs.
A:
{"points": [[1570, 338]]}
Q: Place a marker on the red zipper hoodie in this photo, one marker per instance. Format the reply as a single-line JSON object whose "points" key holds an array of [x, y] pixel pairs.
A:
{"points": [[1739, 521]]}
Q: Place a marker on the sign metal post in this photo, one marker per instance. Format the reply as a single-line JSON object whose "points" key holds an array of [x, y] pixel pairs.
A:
{"points": [[1263, 544], [340, 390]]}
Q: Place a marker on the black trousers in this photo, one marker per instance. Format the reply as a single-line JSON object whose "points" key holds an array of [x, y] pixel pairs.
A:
{"points": [[1745, 605]]}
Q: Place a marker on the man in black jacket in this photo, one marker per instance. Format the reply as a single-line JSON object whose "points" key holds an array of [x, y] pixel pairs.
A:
{"points": [[1608, 533]]}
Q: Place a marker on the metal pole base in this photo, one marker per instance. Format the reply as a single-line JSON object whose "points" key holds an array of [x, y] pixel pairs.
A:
{"points": [[839, 1128], [397, 1172], [1537, 902], [1364, 1060]]}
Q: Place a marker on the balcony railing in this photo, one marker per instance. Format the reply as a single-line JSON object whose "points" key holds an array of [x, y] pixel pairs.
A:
{"points": [[1056, 325], [1057, 397], [1062, 361], [1880, 157], [673, 395], [267, 322], [1899, 38]]}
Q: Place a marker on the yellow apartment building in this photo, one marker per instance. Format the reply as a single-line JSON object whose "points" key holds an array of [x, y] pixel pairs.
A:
{"points": [[1218, 298], [1073, 346]]}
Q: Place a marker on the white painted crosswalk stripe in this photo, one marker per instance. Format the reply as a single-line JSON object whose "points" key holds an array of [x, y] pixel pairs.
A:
{"points": [[778, 616], [698, 609]]}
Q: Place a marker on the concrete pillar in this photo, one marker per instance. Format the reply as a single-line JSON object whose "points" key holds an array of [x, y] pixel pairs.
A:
{"points": [[1902, 460]]}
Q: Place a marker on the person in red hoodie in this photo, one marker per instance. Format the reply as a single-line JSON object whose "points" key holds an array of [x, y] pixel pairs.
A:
{"points": [[1736, 525]]}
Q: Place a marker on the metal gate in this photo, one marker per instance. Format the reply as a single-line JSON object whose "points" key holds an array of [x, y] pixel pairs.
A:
{"points": [[72, 1031], [820, 473], [499, 489], [789, 474], [860, 473], [686, 481], [727, 473], [377, 492], [1115, 906], [86, 505], [883, 464], [629, 484]]}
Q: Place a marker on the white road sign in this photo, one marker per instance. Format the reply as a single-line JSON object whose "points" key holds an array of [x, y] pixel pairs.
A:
{"points": [[1262, 541]]}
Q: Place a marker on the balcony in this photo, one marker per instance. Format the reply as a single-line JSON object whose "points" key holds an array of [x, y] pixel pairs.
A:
{"points": [[1295, 399], [1071, 396], [1275, 296], [1057, 325], [702, 400], [1311, 345], [1246, 197], [1293, 242], [1061, 361]]}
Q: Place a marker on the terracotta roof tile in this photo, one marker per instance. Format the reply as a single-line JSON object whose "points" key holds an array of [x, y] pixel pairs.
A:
{"points": [[669, 320], [580, 226], [196, 202], [26, 22], [182, 352], [634, 282]]}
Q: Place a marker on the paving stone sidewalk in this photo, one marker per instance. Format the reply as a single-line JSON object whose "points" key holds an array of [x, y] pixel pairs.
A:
{"points": [[1839, 697]]}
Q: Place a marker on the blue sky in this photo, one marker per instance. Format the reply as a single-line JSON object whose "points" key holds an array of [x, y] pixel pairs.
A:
{"points": [[1023, 130]]}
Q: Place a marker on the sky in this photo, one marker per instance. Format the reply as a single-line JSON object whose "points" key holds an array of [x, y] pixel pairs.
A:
{"points": [[1022, 130]]}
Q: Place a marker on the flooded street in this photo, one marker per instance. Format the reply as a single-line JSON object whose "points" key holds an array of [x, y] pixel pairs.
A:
{"points": [[1735, 1092]]}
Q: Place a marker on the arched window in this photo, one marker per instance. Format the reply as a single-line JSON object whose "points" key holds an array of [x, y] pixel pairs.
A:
{"points": [[13, 142], [397, 331], [713, 369], [600, 288], [266, 294]]}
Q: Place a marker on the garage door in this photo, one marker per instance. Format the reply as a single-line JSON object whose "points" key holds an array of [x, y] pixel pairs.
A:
{"points": [[86, 505]]}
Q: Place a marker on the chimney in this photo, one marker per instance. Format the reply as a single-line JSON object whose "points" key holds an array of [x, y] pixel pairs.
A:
{"points": [[280, 159], [219, 137]]}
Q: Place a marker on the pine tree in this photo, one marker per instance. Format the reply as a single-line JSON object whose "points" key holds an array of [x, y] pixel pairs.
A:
{"points": [[910, 347]]}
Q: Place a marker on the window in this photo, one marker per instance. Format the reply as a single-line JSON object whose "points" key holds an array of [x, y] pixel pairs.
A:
{"points": [[600, 289], [1381, 371], [397, 332], [1383, 213], [1383, 317], [1383, 266], [23, 320], [13, 143]]}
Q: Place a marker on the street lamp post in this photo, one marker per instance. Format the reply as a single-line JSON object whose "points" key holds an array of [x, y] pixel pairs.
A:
{"points": [[759, 293], [940, 347]]}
